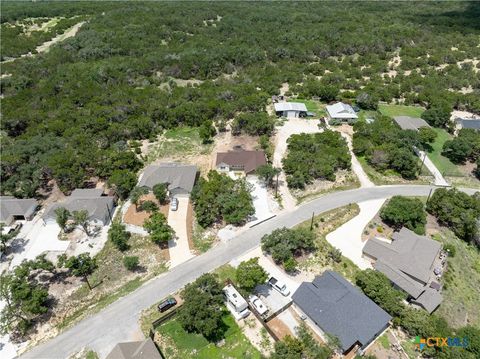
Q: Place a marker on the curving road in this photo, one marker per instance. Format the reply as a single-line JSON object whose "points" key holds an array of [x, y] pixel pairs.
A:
{"points": [[119, 321]]}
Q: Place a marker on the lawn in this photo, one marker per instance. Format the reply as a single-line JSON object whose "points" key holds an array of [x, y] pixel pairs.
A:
{"points": [[442, 163], [400, 110], [461, 291], [176, 343], [313, 106]]}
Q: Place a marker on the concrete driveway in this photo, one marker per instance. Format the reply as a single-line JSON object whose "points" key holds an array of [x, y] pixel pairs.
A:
{"points": [[348, 237], [261, 200], [178, 247]]}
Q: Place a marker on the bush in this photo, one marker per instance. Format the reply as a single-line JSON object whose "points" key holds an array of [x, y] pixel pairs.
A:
{"points": [[450, 249], [290, 265], [158, 229], [149, 206], [405, 212], [250, 274], [119, 236], [131, 262], [284, 243]]}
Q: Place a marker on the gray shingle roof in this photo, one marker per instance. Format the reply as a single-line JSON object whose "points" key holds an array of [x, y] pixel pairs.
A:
{"points": [[11, 206], [177, 175], [430, 299], [86, 192], [135, 350], [341, 309], [290, 106], [98, 207], [410, 123], [473, 124], [410, 253]]}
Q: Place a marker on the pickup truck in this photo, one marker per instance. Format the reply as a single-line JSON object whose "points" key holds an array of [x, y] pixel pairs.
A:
{"points": [[279, 286]]}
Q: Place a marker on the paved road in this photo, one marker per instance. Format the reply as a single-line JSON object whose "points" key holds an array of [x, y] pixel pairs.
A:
{"points": [[119, 321]]}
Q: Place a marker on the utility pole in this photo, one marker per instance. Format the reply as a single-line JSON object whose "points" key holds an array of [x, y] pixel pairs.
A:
{"points": [[424, 158], [429, 194], [276, 186], [311, 223]]}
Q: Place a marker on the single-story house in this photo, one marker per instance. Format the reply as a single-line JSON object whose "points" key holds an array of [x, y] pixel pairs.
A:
{"points": [[338, 308], [290, 109], [179, 177], [410, 123], [240, 161], [12, 209], [143, 349], [408, 261], [99, 207], [341, 113], [470, 123]]}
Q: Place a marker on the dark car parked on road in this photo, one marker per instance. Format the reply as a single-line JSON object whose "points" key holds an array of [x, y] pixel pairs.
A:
{"points": [[167, 304]]}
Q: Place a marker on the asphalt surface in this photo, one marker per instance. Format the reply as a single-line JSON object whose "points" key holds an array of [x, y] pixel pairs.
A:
{"points": [[119, 321]]}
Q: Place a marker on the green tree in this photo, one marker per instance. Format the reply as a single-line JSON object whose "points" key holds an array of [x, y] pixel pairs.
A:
{"points": [[366, 101], [268, 173], [131, 262], [206, 132], [149, 206], [405, 212], [123, 181], [81, 266], [158, 229], [250, 274], [118, 235], [473, 335], [427, 136], [81, 219], [203, 307], [258, 123], [160, 192], [62, 216], [136, 194], [437, 115]]}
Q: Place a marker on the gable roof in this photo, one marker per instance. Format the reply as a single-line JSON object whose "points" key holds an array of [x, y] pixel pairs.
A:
{"points": [[98, 207], [86, 192], [290, 106], [473, 124], [341, 110], [341, 309], [407, 261], [430, 299], [11, 206], [135, 350], [249, 161], [410, 123], [177, 175]]}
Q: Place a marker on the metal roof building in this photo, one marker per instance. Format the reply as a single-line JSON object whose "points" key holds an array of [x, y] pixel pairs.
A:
{"points": [[342, 310], [341, 111], [410, 123], [290, 109]]}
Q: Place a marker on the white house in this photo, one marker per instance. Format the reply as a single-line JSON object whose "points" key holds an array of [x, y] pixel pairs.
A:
{"points": [[290, 109], [341, 112]]}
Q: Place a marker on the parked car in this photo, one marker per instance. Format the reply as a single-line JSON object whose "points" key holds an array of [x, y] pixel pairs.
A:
{"points": [[174, 204], [279, 286], [258, 304], [167, 304]]}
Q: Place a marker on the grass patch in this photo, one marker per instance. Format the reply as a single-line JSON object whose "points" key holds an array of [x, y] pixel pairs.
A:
{"points": [[91, 355], [176, 343], [179, 141], [383, 340], [313, 106], [201, 242], [112, 280], [400, 110], [324, 224], [444, 165], [461, 281], [225, 272]]}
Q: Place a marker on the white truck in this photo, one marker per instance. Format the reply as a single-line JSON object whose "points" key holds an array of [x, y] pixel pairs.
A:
{"points": [[279, 286]]}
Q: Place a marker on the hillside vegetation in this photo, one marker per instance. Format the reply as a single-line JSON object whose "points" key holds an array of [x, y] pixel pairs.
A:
{"points": [[69, 114]]}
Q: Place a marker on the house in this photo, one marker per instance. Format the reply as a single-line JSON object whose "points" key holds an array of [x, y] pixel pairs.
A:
{"points": [[99, 207], [12, 209], [338, 308], [468, 123], [408, 261], [240, 161], [341, 113], [410, 123], [290, 109], [144, 349], [179, 177]]}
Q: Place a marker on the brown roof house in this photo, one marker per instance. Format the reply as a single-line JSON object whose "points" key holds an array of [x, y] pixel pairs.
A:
{"points": [[12, 209], [144, 349], [240, 161], [408, 261]]}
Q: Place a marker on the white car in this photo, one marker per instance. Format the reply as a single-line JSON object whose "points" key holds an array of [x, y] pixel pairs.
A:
{"points": [[279, 286], [174, 204], [258, 304]]}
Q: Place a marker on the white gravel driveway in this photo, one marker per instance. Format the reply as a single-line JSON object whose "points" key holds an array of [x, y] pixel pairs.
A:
{"points": [[178, 247], [261, 200], [348, 237]]}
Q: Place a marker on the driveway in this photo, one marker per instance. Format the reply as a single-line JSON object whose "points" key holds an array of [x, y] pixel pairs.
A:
{"points": [[119, 321], [348, 237], [439, 180], [261, 200], [178, 247], [356, 166], [290, 127]]}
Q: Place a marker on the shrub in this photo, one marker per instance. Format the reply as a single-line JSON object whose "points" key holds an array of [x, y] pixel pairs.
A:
{"points": [[405, 212], [131, 262]]}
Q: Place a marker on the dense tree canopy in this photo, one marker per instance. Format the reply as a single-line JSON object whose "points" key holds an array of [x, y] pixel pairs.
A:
{"points": [[218, 197], [250, 274], [405, 212], [315, 156], [464, 147], [159, 230]]}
